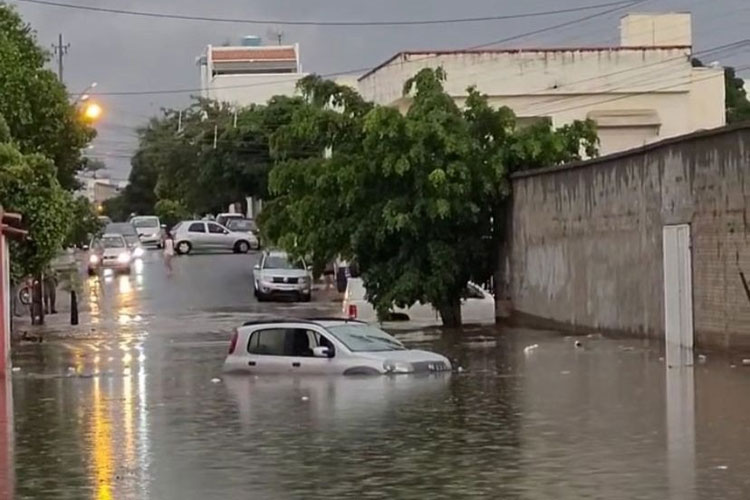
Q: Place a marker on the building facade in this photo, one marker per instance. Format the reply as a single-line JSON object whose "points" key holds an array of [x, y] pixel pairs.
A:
{"points": [[592, 245], [642, 91], [250, 73]]}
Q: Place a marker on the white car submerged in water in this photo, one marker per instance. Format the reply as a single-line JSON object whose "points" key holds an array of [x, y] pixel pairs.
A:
{"points": [[324, 347], [478, 307]]}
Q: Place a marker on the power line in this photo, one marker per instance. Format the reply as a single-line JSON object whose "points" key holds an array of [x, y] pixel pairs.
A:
{"points": [[183, 17]]}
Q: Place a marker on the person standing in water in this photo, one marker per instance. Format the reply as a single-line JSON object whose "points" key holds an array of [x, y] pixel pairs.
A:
{"points": [[168, 251]]}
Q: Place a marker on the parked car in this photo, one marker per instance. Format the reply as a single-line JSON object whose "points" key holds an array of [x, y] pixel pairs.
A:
{"points": [[478, 306], [109, 252], [326, 347], [207, 235], [246, 226], [277, 275], [224, 219], [128, 231], [149, 229]]}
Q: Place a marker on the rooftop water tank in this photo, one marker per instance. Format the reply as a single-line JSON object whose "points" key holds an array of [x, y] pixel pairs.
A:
{"points": [[251, 41]]}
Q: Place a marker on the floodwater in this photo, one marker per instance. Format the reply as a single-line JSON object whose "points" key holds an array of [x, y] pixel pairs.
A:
{"points": [[133, 405]]}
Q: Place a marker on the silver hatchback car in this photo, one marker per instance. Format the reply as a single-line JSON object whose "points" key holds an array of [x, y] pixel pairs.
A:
{"points": [[325, 347], [278, 275], [208, 235]]}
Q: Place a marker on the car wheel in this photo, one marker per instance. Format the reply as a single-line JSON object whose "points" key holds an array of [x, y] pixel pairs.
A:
{"points": [[306, 297], [184, 247], [92, 272], [242, 247], [262, 297]]}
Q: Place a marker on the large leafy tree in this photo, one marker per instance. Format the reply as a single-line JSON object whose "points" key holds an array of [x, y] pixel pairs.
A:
{"points": [[413, 198], [35, 104], [204, 157], [28, 184]]}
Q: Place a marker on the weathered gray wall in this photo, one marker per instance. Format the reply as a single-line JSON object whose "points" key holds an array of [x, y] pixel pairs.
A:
{"points": [[586, 245]]}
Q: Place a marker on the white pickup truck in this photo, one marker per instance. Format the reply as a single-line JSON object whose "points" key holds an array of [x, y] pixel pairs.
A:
{"points": [[478, 307]]}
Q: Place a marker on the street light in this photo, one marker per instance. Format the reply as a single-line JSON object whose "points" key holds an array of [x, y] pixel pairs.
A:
{"points": [[92, 111], [85, 94]]}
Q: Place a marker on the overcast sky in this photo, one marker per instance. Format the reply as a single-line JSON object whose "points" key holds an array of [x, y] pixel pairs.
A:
{"points": [[124, 53]]}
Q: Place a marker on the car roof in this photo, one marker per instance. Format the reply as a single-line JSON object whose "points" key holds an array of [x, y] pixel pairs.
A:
{"points": [[324, 322], [111, 235]]}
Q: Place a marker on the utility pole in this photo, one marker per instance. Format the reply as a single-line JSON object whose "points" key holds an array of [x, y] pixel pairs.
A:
{"points": [[61, 50]]}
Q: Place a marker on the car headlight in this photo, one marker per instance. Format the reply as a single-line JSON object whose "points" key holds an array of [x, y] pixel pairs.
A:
{"points": [[138, 252], [397, 367], [93, 258], [123, 258]]}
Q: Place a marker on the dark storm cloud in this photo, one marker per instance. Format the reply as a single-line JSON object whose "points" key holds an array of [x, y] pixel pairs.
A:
{"points": [[130, 53]]}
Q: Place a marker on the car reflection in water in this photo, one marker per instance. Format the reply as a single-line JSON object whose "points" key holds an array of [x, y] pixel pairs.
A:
{"points": [[330, 398]]}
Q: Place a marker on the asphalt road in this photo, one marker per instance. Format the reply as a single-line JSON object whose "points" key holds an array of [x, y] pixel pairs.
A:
{"points": [[132, 404]]}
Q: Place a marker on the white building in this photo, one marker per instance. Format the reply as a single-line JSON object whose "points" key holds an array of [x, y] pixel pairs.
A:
{"points": [[250, 73], [99, 190], [641, 91]]}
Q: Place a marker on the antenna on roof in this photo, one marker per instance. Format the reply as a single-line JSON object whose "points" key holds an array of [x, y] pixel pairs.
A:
{"points": [[277, 34]]}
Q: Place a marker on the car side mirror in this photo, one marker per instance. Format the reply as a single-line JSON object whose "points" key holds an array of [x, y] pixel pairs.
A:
{"points": [[322, 352], [256, 267]]}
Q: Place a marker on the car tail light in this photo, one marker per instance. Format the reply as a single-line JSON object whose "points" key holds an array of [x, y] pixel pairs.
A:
{"points": [[233, 342], [352, 311]]}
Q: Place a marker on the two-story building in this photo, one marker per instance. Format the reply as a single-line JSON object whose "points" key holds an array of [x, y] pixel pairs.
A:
{"points": [[641, 91], [250, 73]]}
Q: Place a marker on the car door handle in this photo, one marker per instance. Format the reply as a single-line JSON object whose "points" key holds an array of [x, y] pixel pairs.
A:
{"points": [[251, 363], [295, 364]]}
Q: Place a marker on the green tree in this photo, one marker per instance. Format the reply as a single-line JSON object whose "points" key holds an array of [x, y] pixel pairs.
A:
{"points": [[412, 198], [84, 223], [28, 185], [35, 104], [171, 212]]}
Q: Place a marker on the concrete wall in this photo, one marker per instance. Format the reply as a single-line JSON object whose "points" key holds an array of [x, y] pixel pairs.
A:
{"points": [[586, 245]]}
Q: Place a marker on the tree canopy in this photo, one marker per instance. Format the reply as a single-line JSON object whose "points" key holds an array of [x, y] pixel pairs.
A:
{"points": [[35, 104], [28, 185], [412, 198], [203, 157]]}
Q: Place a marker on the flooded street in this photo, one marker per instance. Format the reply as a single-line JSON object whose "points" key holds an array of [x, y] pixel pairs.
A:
{"points": [[133, 405]]}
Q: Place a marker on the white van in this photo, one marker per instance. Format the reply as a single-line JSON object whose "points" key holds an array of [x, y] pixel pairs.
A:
{"points": [[477, 308]]}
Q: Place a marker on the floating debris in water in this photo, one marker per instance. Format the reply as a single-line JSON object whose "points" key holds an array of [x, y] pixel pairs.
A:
{"points": [[460, 369], [16, 369], [530, 348], [215, 380], [305, 398], [702, 358], [565, 372], [578, 344], [746, 362], [721, 467]]}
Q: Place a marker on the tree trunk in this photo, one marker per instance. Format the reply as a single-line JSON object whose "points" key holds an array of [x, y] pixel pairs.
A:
{"points": [[451, 313]]}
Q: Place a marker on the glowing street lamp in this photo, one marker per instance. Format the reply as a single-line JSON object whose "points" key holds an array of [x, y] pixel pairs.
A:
{"points": [[92, 111]]}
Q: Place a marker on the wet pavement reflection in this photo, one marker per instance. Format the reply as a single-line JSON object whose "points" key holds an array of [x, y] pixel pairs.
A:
{"points": [[133, 405]]}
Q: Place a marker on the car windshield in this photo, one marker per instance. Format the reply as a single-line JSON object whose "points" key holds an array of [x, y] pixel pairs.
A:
{"points": [[113, 242], [361, 338], [146, 222], [241, 225], [122, 228], [282, 262]]}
